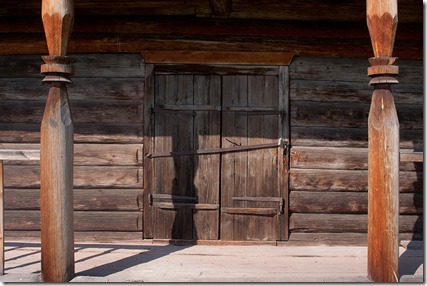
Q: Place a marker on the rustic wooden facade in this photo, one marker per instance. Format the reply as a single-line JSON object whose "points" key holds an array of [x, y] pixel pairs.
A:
{"points": [[115, 90]]}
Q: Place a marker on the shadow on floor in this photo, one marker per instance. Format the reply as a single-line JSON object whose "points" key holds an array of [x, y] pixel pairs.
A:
{"points": [[147, 253], [411, 259]]}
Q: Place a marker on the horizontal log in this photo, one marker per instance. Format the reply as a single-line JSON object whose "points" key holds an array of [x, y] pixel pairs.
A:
{"points": [[87, 154], [79, 236], [216, 57], [83, 221], [340, 114], [336, 223], [85, 65], [84, 177], [83, 133], [347, 180], [19, 154], [212, 27], [347, 91], [84, 199], [134, 43], [343, 158], [87, 89], [216, 69], [347, 202], [348, 137], [333, 239], [349, 70], [271, 9], [122, 112]]}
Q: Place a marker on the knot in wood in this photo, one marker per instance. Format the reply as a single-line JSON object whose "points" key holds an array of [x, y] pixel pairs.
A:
{"points": [[57, 68], [383, 71]]}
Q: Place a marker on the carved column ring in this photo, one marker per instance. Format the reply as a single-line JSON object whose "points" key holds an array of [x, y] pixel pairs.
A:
{"points": [[57, 68], [383, 70]]}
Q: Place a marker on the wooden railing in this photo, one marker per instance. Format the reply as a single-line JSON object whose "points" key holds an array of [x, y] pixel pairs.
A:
{"points": [[20, 155]]}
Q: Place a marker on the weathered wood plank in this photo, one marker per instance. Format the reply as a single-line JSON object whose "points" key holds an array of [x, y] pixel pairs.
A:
{"points": [[207, 167], [347, 202], [86, 65], [348, 137], [83, 220], [134, 43], [357, 223], [345, 158], [347, 91], [339, 114], [215, 69], [347, 180], [80, 236], [89, 89], [272, 9], [84, 199], [83, 133], [84, 176], [348, 70], [84, 154], [216, 57], [105, 112]]}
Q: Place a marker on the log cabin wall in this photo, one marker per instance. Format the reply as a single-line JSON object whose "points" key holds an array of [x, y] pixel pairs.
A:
{"points": [[106, 101], [329, 102]]}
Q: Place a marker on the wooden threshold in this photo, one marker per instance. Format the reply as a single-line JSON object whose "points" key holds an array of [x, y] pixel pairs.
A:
{"points": [[209, 242], [217, 57]]}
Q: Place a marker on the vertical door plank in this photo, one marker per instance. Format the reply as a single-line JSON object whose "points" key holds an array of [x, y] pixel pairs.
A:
{"points": [[174, 175], [234, 165], [262, 164], [207, 91]]}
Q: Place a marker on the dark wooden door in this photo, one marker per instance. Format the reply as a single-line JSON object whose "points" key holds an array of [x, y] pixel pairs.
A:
{"points": [[197, 186]]}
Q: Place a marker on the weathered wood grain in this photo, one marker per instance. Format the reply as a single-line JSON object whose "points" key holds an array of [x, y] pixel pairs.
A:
{"points": [[84, 133], [347, 180], [340, 114], [348, 137], [348, 70], [108, 89], [347, 202], [347, 223], [347, 91], [86, 66], [84, 176], [83, 220], [118, 112], [344, 158], [83, 199], [216, 57]]}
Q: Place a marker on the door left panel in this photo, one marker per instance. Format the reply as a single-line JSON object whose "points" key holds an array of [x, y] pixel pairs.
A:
{"points": [[185, 187]]}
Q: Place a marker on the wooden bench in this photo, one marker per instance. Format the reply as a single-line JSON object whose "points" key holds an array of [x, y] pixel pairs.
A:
{"points": [[11, 154]]}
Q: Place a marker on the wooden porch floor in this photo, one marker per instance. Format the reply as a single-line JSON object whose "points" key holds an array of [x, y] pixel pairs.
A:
{"points": [[153, 262]]}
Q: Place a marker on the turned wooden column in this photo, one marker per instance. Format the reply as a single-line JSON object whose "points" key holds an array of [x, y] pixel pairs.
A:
{"points": [[383, 134], [56, 147]]}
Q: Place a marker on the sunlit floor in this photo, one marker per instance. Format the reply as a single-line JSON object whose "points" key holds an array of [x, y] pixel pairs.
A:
{"points": [[148, 262]]}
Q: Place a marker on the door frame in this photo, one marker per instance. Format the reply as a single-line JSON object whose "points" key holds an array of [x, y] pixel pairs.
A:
{"points": [[221, 63]]}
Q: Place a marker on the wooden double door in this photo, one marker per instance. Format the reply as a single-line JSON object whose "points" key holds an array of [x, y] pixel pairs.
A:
{"points": [[215, 153]]}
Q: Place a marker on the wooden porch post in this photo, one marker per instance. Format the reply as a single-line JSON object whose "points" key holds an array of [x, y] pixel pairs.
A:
{"points": [[383, 134], [56, 148]]}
